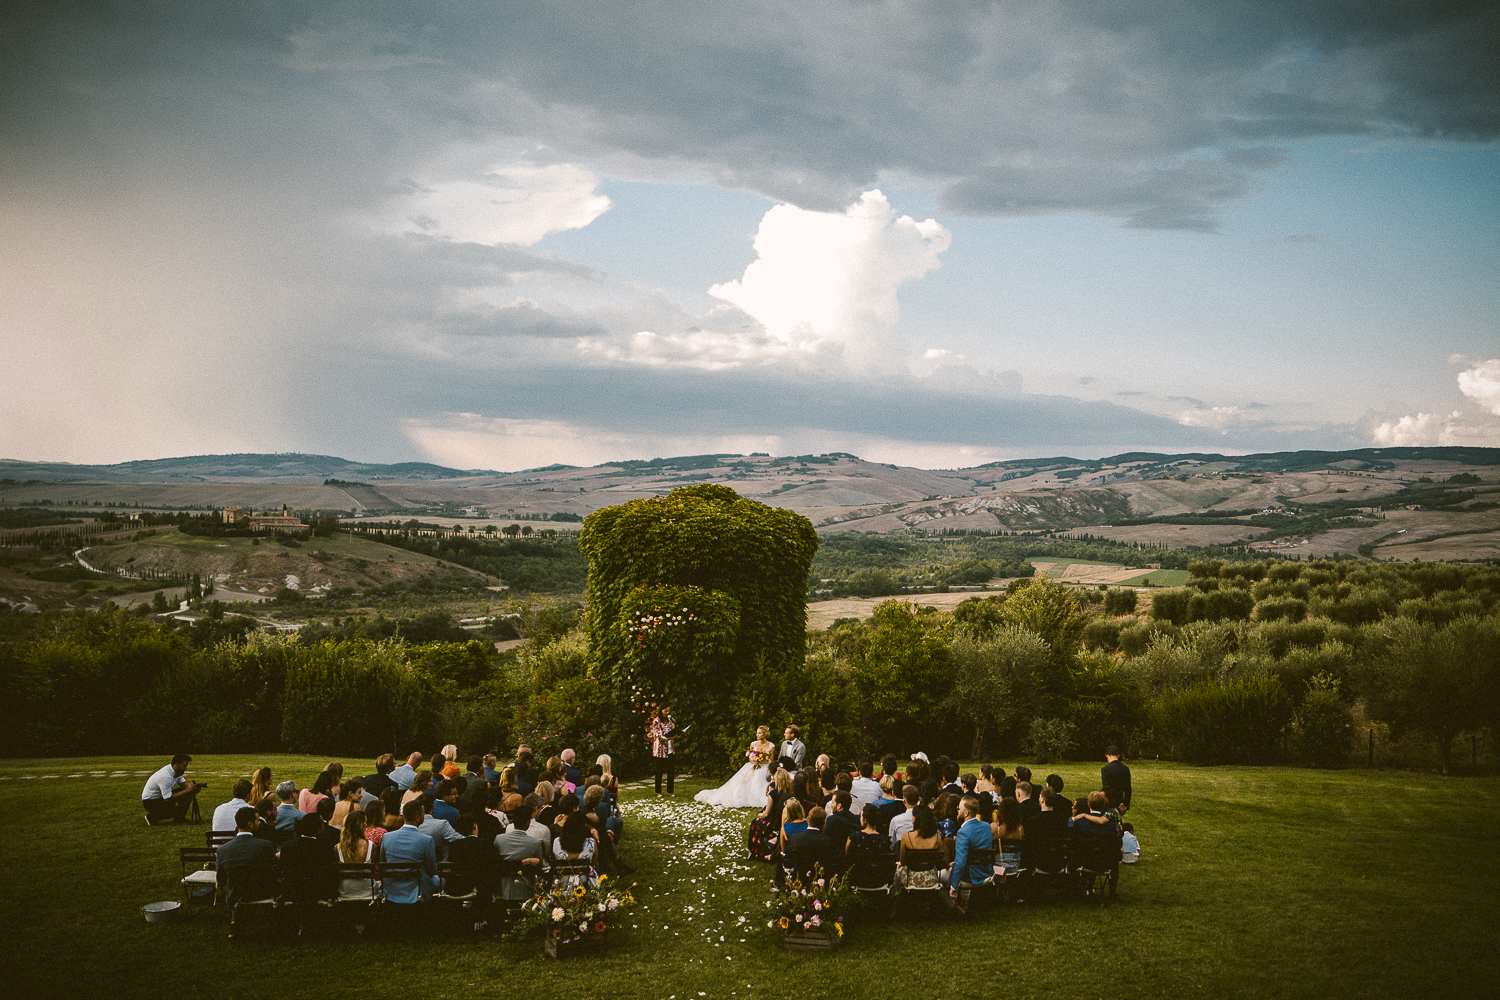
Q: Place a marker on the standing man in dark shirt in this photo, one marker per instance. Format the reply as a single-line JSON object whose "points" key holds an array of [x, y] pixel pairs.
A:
{"points": [[1116, 778]]}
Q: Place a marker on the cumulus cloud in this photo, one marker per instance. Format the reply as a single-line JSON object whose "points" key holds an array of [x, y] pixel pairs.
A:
{"points": [[509, 204], [1482, 384], [827, 281], [1215, 417]]}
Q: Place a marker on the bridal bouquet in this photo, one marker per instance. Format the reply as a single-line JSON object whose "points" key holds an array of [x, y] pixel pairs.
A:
{"points": [[758, 756]]}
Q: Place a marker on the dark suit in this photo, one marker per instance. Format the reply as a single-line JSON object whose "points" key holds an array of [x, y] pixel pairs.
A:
{"points": [[839, 826], [243, 851], [575, 777], [378, 784], [480, 863], [890, 811], [1030, 809], [1046, 838], [1116, 777], [811, 848], [310, 865]]}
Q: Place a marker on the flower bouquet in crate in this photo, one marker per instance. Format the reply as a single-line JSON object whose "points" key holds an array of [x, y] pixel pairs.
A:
{"points": [[573, 918], [810, 914]]}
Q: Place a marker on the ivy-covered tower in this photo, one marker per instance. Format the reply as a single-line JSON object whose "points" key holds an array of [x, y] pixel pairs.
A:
{"points": [[692, 593]]}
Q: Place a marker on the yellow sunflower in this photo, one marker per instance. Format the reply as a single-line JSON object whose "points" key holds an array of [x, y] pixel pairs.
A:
{"points": [[580, 892], [784, 923]]}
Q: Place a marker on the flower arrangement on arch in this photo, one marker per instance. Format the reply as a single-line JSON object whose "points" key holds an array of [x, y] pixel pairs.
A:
{"points": [[643, 625], [815, 906], [573, 912]]}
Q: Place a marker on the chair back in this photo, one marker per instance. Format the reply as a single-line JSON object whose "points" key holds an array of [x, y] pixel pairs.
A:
{"points": [[369, 874], [197, 858], [926, 860], [251, 883], [869, 873], [217, 838]]}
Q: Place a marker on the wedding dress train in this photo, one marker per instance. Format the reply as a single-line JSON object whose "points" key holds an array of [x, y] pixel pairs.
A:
{"points": [[746, 790]]}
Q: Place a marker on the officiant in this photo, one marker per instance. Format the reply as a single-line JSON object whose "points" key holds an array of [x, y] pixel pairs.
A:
{"points": [[662, 734]]}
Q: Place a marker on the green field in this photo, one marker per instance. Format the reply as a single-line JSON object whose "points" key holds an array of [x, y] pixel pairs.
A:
{"points": [[1254, 882], [1158, 578]]}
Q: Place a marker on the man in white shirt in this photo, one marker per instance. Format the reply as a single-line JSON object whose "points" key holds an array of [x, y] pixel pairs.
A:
{"points": [[224, 815], [162, 799], [404, 775], [905, 822], [864, 789]]}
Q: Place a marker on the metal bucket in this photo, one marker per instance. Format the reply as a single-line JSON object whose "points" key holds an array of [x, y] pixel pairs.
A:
{"points": [[160, 913]]}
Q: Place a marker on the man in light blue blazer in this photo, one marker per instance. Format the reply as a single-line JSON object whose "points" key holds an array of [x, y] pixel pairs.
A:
{"points": [[408, 845], [974, 834]]}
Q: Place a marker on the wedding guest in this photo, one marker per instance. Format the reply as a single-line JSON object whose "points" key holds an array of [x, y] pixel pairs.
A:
{"points": [[904, 821], [390, 804], [337, 770], [408, 845], [375, 823], [445, 800], [973, 835], [607, 776], [224, 815], [377, 783], [440, 830], [518, 844], [404, 775], [350, 797], [287, 814], [987, 779], [763, 835], [420, 785], [842, 822], [868, 839], [491, 765], [793, 821], [322, 788], [260, 786], [923, 836], [1026, 801], [450, 762], [811, 852], [1009, 832]]}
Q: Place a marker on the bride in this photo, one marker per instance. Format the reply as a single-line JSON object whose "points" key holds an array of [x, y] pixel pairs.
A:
{"points": [[747, 789]]}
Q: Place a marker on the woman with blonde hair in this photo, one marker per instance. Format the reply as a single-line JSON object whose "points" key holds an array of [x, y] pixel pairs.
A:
{"points": [[607, 779], [261, 785], [451, 768], [508, 780], [763, 829]]}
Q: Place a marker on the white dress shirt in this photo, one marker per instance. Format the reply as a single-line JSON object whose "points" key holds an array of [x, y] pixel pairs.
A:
{"points": [[224, 815], [901, 824], [159, 785]]}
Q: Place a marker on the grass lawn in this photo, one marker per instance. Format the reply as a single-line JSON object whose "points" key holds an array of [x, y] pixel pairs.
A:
{"points": [[1254, 882]]}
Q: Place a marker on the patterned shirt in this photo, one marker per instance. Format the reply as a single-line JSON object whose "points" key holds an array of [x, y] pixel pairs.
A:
{"points": [[656, 735]]}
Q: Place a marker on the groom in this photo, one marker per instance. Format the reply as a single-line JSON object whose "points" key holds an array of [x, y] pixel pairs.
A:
{"points": [[792, 748]]}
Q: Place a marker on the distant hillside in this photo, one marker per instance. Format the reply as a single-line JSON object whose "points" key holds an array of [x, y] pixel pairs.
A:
{"points": [[281, 468]]}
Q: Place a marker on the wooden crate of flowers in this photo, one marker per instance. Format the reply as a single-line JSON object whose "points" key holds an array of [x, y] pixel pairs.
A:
{"points": [[810, 914], [574, 919]]}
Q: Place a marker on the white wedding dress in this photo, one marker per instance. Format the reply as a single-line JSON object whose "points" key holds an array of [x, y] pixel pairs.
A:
{"points": [[746, 790]]}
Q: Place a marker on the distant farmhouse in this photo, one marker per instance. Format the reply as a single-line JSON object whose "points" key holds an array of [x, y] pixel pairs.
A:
{"points": [[285, 521]]}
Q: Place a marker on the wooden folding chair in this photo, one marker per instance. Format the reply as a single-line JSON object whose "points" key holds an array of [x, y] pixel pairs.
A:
{"points": [[200, 882], [935, 859], [256, 888], [217, 838]]}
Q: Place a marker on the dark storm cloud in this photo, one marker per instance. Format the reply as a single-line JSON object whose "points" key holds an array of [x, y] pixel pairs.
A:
{"points": [[1156, 112]]}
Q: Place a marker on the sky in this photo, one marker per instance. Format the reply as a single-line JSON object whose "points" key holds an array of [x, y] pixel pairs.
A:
{"points": [[507, 235]]}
